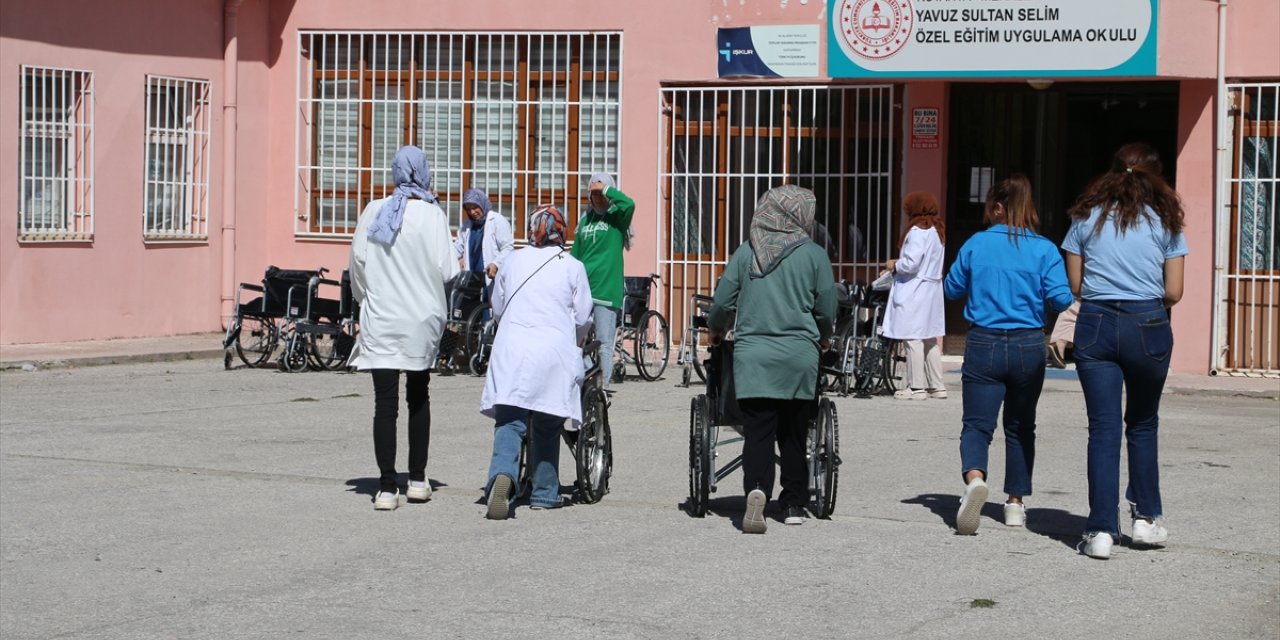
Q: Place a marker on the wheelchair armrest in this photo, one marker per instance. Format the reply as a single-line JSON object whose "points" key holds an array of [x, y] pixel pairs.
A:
{"points": [[246, 285]]}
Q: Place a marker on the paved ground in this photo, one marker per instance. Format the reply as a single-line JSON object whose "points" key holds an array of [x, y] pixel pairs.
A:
{"points": [[178, 500]]}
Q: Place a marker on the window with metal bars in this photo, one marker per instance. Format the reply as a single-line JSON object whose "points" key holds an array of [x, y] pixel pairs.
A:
{"points": [[527, 117], [55, 163], [176, 185]]}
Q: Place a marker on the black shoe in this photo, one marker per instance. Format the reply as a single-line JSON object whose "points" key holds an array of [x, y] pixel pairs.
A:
{"points": [[795, 515]]}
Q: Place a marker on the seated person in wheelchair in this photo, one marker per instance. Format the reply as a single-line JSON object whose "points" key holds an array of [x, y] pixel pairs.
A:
{"points": [[542, 301], [484, 238], [400, 260], [782, 286]]}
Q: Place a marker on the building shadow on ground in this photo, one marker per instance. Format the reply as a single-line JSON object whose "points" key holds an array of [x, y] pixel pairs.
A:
{"points": [[1055, 524]]}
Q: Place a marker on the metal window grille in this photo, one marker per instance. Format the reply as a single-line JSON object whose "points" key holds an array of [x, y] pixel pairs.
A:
{"points": [[1248, 309], [55, 156], [176, 198], [724, 147], [527, 117]]}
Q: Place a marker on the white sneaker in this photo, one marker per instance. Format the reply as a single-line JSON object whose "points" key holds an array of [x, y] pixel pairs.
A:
{"points": [[753, 520], [970, 513], [937, 394], [1096, 544], [386, 500], [910, 394], [1147, 532], [1015, 514], [418, 491]]}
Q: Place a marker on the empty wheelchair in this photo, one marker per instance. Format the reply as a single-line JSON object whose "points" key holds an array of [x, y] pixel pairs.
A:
{"points": [[715, 421], [315, 331], [688, 357], [862, 361], [643, 336], [592, 443], [467, 309]]}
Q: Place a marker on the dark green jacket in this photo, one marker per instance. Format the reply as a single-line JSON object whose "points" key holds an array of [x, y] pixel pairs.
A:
{"points": [[782, 316]]}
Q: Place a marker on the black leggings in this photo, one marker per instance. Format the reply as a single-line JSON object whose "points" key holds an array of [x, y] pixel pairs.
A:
{"points": [[767, 421], [386, 402]]}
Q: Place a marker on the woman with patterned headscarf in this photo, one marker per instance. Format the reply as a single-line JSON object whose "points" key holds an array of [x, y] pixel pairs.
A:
{"points": [[781, 284], [542, 302], [400, 260]]}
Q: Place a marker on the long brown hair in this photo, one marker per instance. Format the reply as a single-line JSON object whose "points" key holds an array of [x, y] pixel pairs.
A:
{"points": [[1014, 195], [922, 211], [1133, 183]]}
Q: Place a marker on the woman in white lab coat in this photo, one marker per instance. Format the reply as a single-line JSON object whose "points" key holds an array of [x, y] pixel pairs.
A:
{"points": [[542, 301], [401, 256], [915, 313]]}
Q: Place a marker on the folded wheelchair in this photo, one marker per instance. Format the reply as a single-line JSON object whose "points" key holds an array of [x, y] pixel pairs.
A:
{"points": [[715, 421], [315, 332], [862, 361]]}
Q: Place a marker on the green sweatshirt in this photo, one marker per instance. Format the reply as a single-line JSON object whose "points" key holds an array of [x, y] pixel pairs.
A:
{"points": [[598, 245], [781, 318]]}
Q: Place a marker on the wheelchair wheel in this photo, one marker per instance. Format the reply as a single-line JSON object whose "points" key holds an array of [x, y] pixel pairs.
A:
{"points": [[294, 358], [255, 339], [329, 351], [653, 345], [895, 365], [825, 445], [848, 344], [700, 457], [473, 330], [594, 447], [697, 362]]}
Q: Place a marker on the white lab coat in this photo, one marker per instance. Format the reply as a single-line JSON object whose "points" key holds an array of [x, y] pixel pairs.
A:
{"points": [[401, 289], [495, 246], [536, 362], [915, 310]]}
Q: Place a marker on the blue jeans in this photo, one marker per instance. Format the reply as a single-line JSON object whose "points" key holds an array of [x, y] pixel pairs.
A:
{"points": [[1122, 346], [512, 423], [1002, 366], [606, 321]]}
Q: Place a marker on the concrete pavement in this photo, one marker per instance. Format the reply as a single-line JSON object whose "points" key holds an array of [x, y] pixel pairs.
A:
{"points": [[178, 500]]}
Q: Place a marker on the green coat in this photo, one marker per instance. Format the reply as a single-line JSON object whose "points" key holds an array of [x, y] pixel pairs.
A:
{"points": [[782, 316]]}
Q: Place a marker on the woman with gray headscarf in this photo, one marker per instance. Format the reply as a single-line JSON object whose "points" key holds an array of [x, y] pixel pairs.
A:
{"points": [[781, 284], [603, 232], [401, 256]]}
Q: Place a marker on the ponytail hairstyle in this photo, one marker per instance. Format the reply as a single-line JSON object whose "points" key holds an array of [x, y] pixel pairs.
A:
{"points": [[1125, 191], [922, 211], [1013, 194]]}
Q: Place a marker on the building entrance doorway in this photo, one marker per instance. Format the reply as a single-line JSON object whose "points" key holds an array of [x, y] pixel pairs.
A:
{"points": [[1059, 137]]}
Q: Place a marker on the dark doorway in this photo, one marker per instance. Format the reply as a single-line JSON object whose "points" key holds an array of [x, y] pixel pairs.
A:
{"points": [[1059, 137]]}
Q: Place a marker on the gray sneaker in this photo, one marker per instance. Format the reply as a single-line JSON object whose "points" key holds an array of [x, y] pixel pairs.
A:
{"points": [[753, 520], [499, 498]]}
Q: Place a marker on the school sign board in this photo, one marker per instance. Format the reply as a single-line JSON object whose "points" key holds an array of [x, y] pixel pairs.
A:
{"points": [[991, 38]]}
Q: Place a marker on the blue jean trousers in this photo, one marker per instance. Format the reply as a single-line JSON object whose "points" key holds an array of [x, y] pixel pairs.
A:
{"points": [[1122, 346], [606, 321], [511, 426], [1002, 366]]}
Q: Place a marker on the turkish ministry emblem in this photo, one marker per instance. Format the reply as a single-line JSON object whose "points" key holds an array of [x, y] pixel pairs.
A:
{"points": [[873, 29]]}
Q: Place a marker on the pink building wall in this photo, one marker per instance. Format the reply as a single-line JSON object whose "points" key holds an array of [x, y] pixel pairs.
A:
{"points": [[119, 286]]}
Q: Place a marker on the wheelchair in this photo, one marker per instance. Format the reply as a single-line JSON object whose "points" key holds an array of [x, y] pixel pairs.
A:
{"points": [[465, 324], [862, 361], [687, 356], [715, 421], [315, 332], [592, 443], [644, 329]]}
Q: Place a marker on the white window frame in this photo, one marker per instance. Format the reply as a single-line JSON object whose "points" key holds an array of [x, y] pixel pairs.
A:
{"points": [[55, 122], [176, 160], [559, 95]]}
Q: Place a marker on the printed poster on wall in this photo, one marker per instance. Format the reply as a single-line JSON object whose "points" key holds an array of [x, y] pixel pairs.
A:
{"points": [[774, 51], [924, 128], [991, 38]]}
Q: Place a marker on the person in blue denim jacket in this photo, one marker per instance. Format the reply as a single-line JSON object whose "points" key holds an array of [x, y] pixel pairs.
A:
{"points": [[1125, 252], [1008, 272]]}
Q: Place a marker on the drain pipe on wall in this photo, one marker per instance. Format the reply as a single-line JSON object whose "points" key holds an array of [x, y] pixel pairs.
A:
{"points": [[1221, 166], [230, 62]]}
